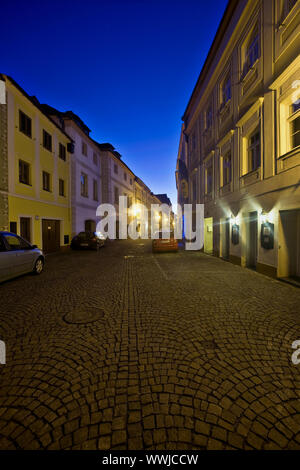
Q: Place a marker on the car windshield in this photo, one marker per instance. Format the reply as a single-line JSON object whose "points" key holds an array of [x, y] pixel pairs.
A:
{"points": [[85, 235]]}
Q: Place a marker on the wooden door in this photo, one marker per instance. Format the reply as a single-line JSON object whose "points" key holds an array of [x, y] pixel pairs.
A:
{"points": [[25, 228], [51, 235]]}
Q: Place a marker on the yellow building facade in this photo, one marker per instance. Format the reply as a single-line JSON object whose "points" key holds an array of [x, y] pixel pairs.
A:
{"points": [[241, 138], [39, 206]]}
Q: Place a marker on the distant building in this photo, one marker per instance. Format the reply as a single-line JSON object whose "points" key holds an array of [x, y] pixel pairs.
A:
{"points": [[242, 131], [86, 187], [163, 198], [35, 184]]}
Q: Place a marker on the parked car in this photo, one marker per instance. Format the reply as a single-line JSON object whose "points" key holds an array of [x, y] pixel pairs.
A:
{"points": [[165, 242], [18, 256], [87, 240]]}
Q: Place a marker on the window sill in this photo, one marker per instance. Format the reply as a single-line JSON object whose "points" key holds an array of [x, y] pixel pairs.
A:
{"points": [[26, 135], [45, 148], [246, 75], [251, 177], [290, 153], [289, 160], [224, 107], [225, 189], [25, 184]]}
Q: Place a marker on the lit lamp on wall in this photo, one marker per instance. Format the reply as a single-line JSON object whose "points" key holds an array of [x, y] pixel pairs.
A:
{"points": [[266, 231], [235, 230]]}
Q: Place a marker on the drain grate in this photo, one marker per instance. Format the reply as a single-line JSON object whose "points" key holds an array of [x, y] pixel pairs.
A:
{"points": [[84, 315]]}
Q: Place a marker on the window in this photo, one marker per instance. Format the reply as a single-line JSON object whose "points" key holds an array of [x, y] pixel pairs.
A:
{"points": [[193, 141], [116, 195], [84, 185], [95, 158], [62, 152], [254, 151], [226, 90], [84, 148], [46, 181], [24, 172], [294, 121], [252, 50], [194, 189], [24, 123], [131, 181], [47, 140], [95, 190], [288, 6], [209, 178], [227, 169], [208, 117], [115, 168], [13, 227], [125, 176], [61, 187]]}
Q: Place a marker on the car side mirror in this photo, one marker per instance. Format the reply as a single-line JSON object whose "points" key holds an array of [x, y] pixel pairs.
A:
{"points": [[34, 246]]}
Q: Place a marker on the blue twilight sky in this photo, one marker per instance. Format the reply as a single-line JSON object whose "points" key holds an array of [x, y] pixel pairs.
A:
{"points": [[126, 67]]}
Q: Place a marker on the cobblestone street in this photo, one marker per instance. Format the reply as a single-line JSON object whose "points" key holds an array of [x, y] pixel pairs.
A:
{"points": [[123, 349]]}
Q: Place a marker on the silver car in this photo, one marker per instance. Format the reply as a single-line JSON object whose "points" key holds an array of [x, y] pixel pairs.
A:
{"points": [[17, 256]]}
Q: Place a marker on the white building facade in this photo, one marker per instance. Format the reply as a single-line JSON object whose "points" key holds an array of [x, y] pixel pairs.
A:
{"points": [[86, 178]]}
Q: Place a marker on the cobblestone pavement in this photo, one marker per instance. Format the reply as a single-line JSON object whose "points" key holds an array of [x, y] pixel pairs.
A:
{"points": [[126, 350]]}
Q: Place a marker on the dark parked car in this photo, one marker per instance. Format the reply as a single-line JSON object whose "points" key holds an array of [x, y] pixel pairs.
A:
{"points": [[18, 256], [87, 240]]}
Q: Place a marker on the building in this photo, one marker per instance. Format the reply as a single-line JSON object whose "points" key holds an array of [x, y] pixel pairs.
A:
{"points": [[86, 184], [181, 173], [4, 220], [35, 183], [117, 179], [242, 132]]}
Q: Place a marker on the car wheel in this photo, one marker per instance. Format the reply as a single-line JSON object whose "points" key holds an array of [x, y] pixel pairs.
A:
{"points": [[39, 266]]}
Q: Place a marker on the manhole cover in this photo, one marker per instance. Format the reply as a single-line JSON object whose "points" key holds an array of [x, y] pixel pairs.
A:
{"points": [[208, 344], [84, 315]]}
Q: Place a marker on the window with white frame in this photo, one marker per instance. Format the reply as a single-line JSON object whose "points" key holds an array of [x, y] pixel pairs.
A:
{"points": [[84, 185], [95, 190], [84, 148], [253, 151], [294, 124]]}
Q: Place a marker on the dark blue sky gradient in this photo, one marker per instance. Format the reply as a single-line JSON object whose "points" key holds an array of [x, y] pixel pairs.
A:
{"points": [[127, 68]]}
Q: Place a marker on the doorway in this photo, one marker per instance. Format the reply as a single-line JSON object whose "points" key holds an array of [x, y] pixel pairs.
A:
{"points": [[225, 238], [51, 235], [252, 238], [289, 245], [25, 228], [208, 235]]}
